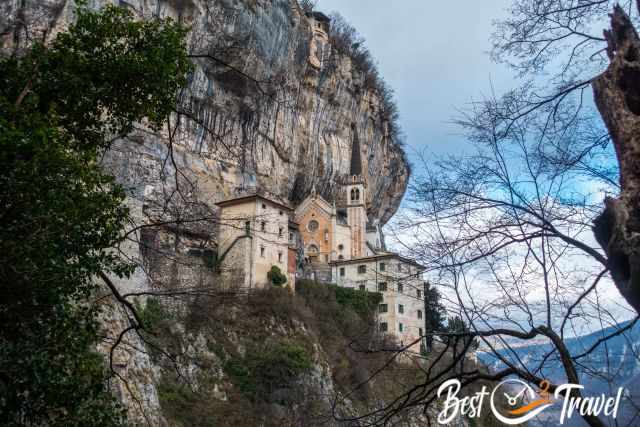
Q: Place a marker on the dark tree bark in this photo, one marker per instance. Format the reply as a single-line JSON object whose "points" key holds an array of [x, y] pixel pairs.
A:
{"points": [[617, 96]]}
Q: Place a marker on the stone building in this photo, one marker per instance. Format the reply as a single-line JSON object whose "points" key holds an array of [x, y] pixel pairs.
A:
{"points": [[343, 247], [319, 47], [399, 280], [331, 232], [255, 234], [327, 242]]}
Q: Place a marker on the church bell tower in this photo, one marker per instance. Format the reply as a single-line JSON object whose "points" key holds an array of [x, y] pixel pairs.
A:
{"points": [[356, 199]]}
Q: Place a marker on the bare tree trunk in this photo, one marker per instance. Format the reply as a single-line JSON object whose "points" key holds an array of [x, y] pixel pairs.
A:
{"points": [[617, 96]]}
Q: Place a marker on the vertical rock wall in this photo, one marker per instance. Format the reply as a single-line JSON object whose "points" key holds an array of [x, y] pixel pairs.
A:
{"points": [[263, 111]]}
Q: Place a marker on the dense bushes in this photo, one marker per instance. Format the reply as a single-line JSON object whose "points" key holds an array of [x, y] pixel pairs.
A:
{"points": [[269, 368], [265, 346], [361, 302], [152, 313]]}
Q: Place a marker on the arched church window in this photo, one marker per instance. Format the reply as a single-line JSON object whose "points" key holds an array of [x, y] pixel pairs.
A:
{"points": [[313, 249], [313, 225], [357, 194], [353, 194]]}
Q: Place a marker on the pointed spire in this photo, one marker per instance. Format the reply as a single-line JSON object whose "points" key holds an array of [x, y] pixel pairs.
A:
{"points": [[356, 161]]}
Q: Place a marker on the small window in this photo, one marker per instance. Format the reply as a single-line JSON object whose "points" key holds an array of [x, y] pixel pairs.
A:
{"points": [[420, 332], [313, 249], [382, 266], [326, 235], [419, 293], [419, 314], [247, 226], [264, 206], [313, 225], [340, 247], [341, 271], [400, 308], [290, 236], [280, 231], [383, 308], [362, 287], [340, 257], [263, 226], [279, 256], [262, 251], [195, 252], [362, 269], [382, 287], [384, 327], [280, 213], [400, 288], [400, 327]]}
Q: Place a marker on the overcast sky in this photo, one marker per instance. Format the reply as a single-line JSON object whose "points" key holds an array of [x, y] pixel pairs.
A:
{"points": [[433, 54]]}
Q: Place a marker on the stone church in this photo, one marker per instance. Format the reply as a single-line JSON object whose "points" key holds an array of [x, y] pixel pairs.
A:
{"points": [[334, 233], [330, 243]]}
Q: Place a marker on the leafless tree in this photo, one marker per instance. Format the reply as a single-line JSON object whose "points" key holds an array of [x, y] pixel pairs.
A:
{"points": [[507, 227], [508, 237], [559, 52]]}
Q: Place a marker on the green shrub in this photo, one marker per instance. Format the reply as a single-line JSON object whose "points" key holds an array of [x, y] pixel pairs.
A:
{"points": [[364, 303], [152, 314], [242, 376], [276, 277], [265, 369]]}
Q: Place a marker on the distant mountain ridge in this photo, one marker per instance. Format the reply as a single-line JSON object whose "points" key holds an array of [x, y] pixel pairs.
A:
{"points": [[613, 363]]}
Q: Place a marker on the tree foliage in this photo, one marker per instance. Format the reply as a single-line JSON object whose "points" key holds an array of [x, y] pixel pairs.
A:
{"points": [[60, 105], [266, 369], [434, 314], [276, 277], [457, 326]]}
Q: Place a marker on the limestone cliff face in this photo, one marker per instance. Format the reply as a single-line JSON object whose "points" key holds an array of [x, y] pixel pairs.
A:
{"points": [[269, 108]]}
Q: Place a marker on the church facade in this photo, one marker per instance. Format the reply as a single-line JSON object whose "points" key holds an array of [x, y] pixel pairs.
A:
{"points": [[332, 233]]}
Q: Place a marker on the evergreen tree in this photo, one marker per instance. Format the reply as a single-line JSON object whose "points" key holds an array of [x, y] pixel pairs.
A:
{"points": [[434, 314], [456, 325], [60, 104]]}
